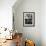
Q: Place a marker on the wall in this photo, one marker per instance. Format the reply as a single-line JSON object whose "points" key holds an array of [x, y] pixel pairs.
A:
{"points": [[33, 33], [43, 22], [6, 13]]}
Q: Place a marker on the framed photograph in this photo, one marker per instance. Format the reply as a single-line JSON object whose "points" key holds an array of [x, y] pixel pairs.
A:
{"points": [[28, 19]]}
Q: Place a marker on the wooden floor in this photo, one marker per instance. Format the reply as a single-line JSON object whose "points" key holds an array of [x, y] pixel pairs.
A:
{"points": [[9, 43]]}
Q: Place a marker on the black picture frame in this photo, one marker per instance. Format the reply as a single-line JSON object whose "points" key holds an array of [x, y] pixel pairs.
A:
{"points": [[28, 19]]}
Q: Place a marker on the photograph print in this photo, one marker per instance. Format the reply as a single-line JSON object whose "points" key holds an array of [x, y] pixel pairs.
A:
{"points": [[28, 19]]}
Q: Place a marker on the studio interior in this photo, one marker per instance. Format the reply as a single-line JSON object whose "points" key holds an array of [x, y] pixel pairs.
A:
{"points": [[22, 22]]}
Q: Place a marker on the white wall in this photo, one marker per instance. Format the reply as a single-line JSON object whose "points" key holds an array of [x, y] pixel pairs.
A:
{"points": [[43, 22], [33, 33], [6, 13]]}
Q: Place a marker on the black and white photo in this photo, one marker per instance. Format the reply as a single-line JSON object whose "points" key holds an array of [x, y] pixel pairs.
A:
{"points": [[28, 19]]}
